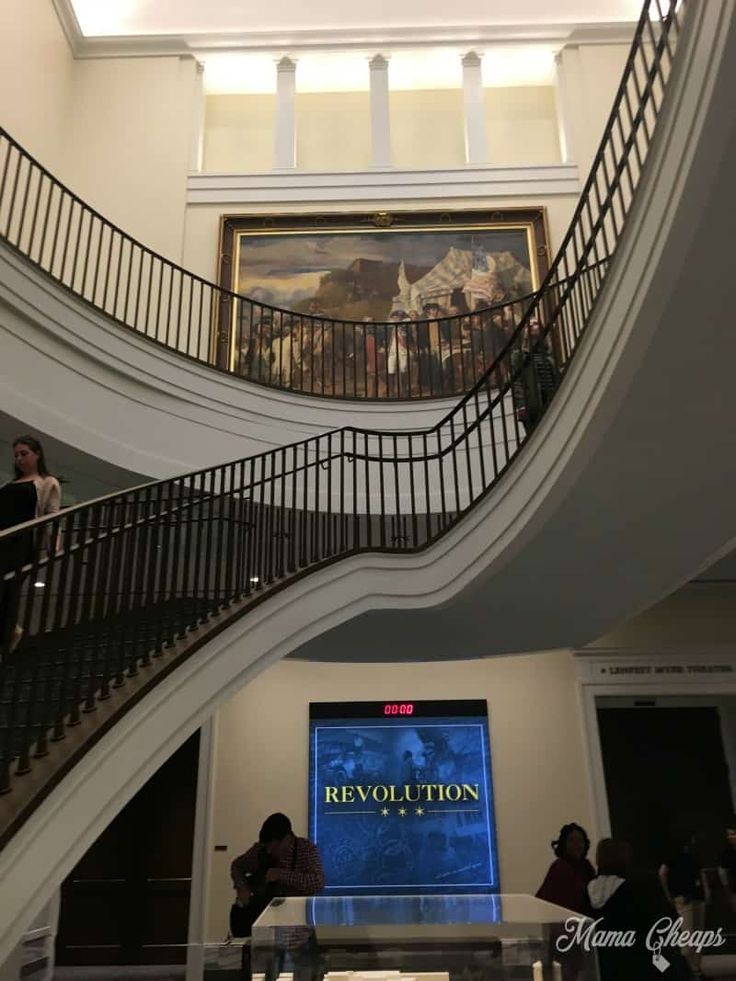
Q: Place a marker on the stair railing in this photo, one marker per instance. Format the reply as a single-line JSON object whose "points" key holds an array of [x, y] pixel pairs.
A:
{"points": [[104, 589]]}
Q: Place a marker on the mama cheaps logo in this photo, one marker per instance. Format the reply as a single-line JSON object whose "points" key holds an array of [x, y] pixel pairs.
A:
{"points": [[666, 932]]}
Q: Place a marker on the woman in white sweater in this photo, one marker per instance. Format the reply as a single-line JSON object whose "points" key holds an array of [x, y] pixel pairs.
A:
{"points": [[33, 493]]}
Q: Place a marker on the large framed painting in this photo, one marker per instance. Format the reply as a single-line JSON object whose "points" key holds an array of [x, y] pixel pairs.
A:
{"points": [[352, 269]]}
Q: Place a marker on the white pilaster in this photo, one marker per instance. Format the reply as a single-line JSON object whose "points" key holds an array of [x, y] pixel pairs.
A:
{"points": [[285, 149], [476, 140], [562, 100], [380, 119], [195, 159]]}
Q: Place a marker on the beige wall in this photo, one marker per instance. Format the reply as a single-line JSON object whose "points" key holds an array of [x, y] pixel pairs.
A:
{"points": [[36, 70], [591, 74], [539, 770], [427, 129], [117, 131], [130, 138], [239, 133], [333, 131], [521, 123]]}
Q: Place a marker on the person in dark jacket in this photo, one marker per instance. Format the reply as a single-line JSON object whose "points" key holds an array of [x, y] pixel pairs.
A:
{"points": [[535, 377], [568, 876], [630, 906]]}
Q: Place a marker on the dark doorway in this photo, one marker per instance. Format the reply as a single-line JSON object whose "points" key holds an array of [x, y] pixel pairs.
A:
{"points": [[127, 900], [665, 769]]}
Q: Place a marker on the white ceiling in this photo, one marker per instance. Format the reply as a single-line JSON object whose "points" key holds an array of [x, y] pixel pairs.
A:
{"points": [[239, 42], [185, 18]]}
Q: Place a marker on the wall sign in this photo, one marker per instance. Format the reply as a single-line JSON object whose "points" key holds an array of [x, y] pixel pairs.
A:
{"points": [[597, 669]]}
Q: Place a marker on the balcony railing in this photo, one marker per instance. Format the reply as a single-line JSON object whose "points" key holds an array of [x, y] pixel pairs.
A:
{"points": [[128, 576], [292, 351]]}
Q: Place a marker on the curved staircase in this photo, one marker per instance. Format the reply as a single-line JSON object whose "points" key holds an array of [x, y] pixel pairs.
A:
{"points": [[164, 599]]}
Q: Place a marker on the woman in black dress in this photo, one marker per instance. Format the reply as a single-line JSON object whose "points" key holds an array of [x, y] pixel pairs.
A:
{"points": [[32, 493]]}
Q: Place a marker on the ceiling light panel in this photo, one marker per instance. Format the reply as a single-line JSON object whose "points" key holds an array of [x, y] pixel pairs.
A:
{"points": [[239, 74], [507, 65], [193, 17], [97, 18], [425, 68], [337, 72]]}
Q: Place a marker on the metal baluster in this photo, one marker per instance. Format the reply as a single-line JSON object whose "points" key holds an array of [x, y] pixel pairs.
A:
{"points": [[369, 523], [11, 206], [479, 431], [397, 498], [159, 291], [180, 511], [262, 544], [316, 538], [412, 492], [382, 488], [121, 239], [75, 649], [303, 537], [488, 385], [198, 494], [128, 280], [34, 220], [47, 213], [66, 532], [441, 474], [97, 265], [24, 617], [341, 546], [3, 181], [455, 479], [283, 533], [95, 640], [219, 554], [169, 305], [238, 586], [468, 464], [87, 252], [128, 507], [251, 553], [293, 517]]}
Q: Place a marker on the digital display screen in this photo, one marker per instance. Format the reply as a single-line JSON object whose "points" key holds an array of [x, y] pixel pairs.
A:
{"points": [[401, 797]]}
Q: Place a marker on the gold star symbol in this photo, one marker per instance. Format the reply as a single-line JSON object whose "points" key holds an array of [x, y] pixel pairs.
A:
{"points": [[402, 812], [384, 812], [419, 812]]}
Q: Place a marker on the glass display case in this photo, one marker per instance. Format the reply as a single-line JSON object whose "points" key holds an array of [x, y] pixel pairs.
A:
{"points": [[419, 938]]}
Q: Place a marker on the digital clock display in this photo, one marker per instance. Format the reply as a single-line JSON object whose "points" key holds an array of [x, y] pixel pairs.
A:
{"points": [[424, 709], [398, 708]]}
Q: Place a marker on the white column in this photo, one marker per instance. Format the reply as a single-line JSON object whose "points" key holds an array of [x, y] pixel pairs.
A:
{"points": [[562, 101], [195, 159], [285, 150], [577, 143], [380, 119], [476, 140]]}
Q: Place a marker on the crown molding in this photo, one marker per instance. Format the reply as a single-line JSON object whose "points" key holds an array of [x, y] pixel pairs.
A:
{"points": [[69, 24], [369, 38], [382, 184]]}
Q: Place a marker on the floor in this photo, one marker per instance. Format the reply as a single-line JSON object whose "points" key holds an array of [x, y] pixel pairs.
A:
{"points": [[132, 973]]}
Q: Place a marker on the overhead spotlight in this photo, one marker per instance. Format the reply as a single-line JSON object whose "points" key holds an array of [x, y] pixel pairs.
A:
{"points": [[39, 585], [255, 579]]}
